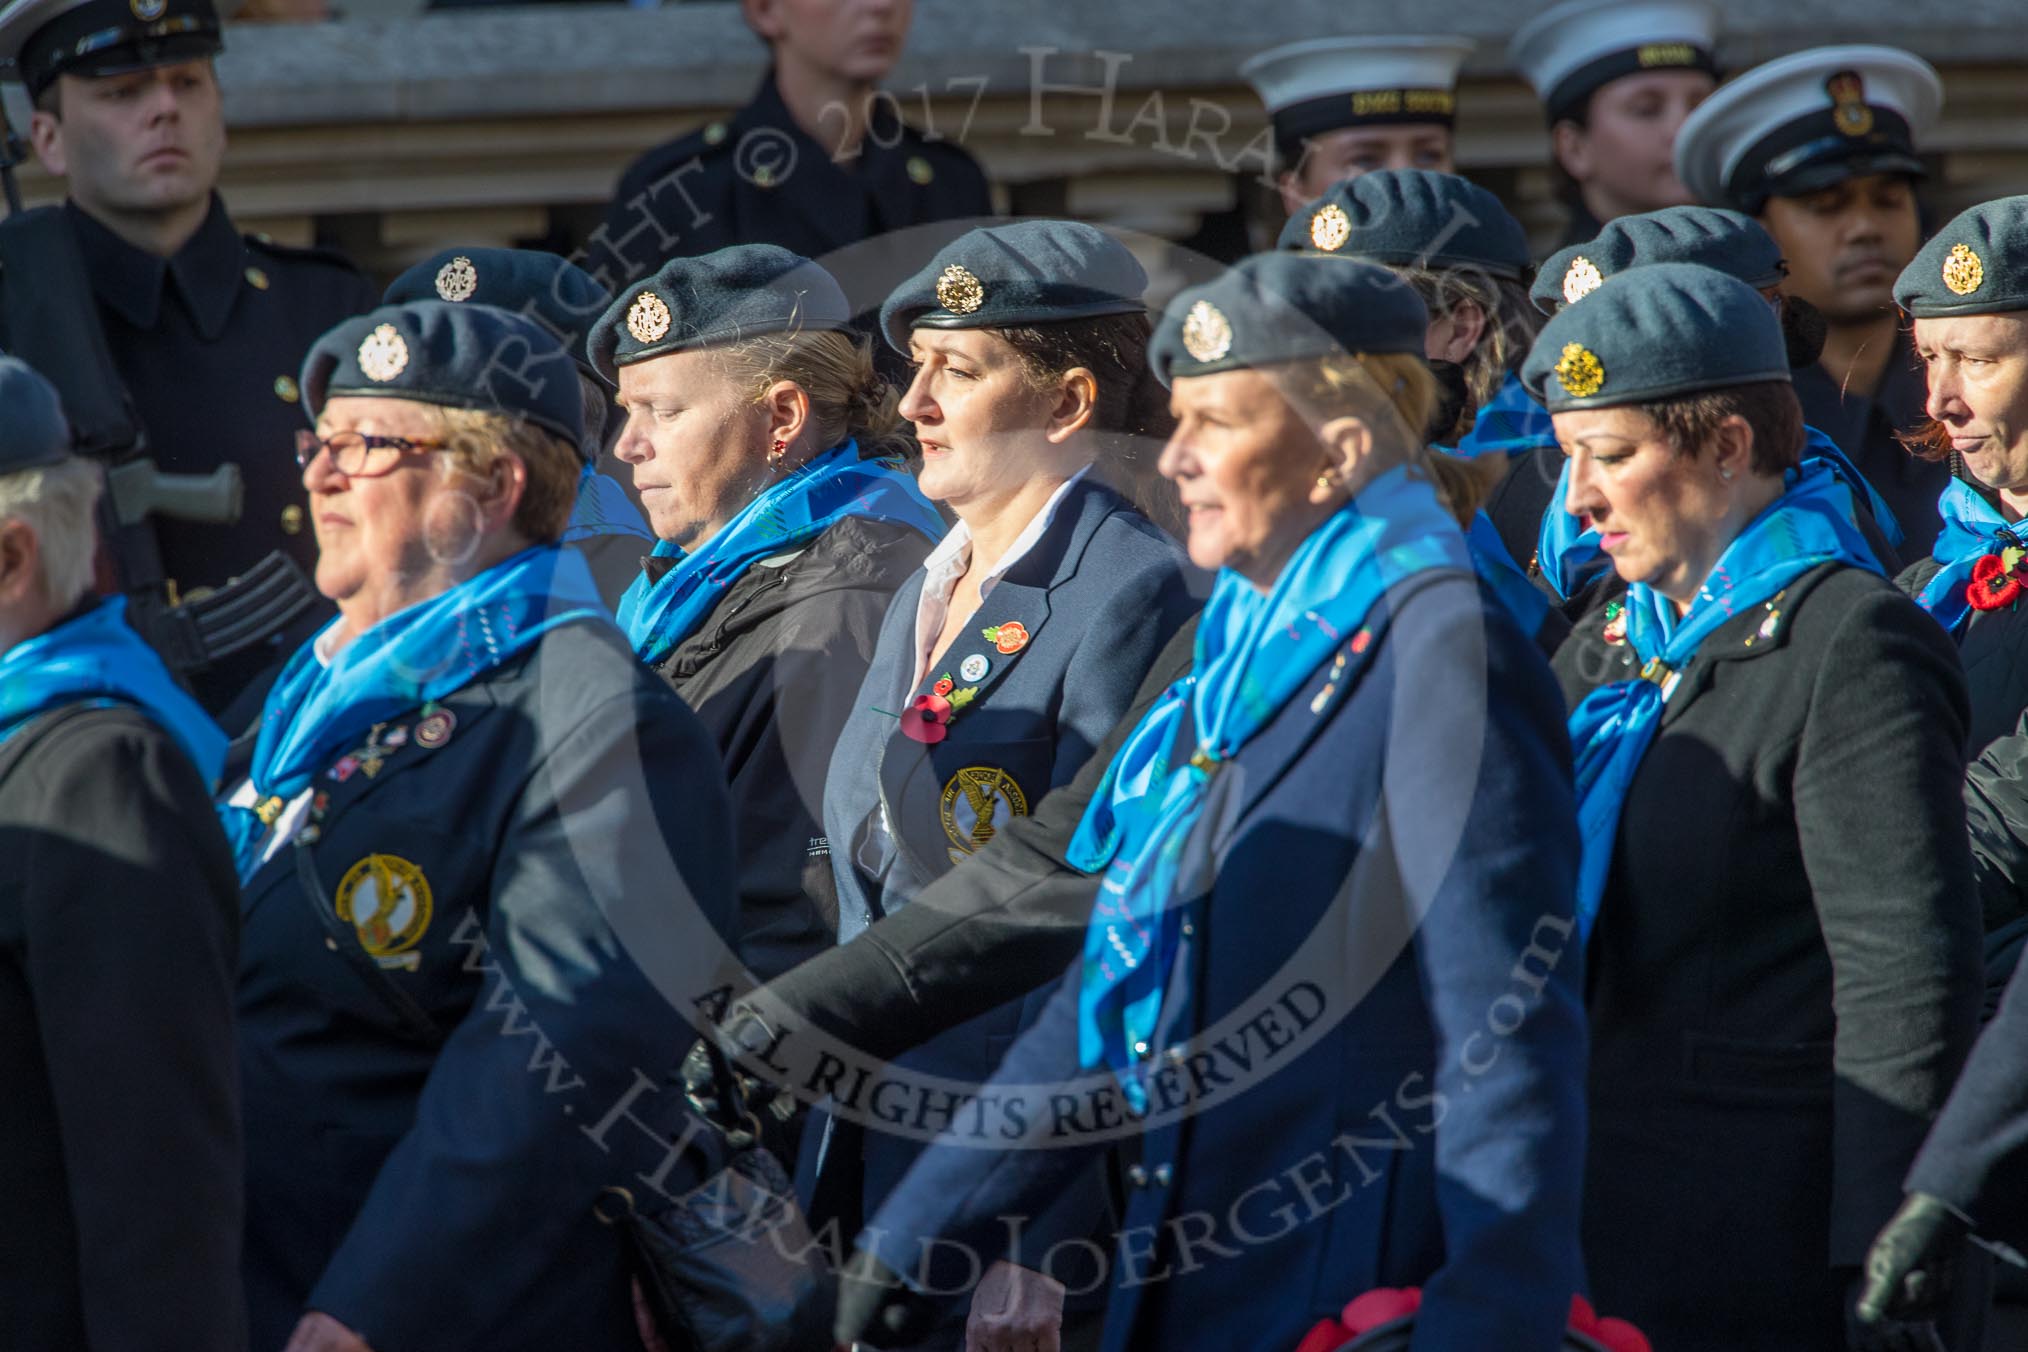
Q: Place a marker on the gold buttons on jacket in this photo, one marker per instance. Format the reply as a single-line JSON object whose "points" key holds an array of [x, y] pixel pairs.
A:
{"points": [[292, 520], [257, 279], [286, 391]]}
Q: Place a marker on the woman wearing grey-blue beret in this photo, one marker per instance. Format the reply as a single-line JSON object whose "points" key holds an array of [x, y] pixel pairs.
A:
{"points": [[1020, 642], [1782, 941]]}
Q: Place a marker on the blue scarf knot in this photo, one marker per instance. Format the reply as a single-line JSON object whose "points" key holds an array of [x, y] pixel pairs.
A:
{"points": [[658, 616], [97, 655], [1972, 529], [1254, 652], [316, 712], [1809, 525]]}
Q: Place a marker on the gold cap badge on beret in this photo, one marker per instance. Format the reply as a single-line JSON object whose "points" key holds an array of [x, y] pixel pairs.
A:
{"points": [[959, 291], [1849, 112], [1330, 228], [1207, 333], [1580, 279], [457, 279], [1580, 371], [1963, 271], [647, 318], [147, 11], [383, 355]]}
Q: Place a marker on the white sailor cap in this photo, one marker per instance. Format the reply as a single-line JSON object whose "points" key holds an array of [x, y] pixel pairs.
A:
{"points": [[1572, 51], [1807, 121], [1323, 84]]}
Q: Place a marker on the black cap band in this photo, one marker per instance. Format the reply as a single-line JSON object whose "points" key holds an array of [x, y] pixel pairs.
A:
{"points": [[1567, 100], [1817, 151], [110, 37], [1361, 108]]}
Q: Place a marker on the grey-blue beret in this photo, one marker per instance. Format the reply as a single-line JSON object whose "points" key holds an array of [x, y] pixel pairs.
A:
{"points": [[33, 430], [1280, 307], [1411, 218], [554, 291], [1656, 333], [455, 356], [1712, 237], [1025, 272], [1976, 265], [745, 291]]}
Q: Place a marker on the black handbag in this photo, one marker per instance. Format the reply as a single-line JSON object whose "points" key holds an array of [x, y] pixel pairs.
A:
{"points": [[729, 1266]]}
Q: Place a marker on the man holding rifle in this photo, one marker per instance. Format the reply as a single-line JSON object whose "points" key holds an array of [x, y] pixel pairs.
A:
{"points": [[186, 348]]}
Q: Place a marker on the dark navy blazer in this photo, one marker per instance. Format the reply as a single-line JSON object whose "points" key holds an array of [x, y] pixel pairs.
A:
{"points": [[566, 840], [1100, 593], [1371, 1067]]}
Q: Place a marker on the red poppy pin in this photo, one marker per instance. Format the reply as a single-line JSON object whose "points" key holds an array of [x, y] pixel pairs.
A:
{"points": [[1616, 624], [1010, 637], [944, 685], [1996, 580], [925, 720]]}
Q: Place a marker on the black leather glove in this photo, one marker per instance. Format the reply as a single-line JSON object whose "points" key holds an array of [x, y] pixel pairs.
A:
{"points": [[1907, 1280], [875, 1309]]}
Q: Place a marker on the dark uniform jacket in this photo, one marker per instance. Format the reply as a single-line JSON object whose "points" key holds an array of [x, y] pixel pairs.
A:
{"points": [[1785, 976], [975, 937], [773, 673], [450, 981], [1376, 1077], [1864, 427], [208, 344], [119, 1125], [761, 179], [1097, 596], [1993, 645]]}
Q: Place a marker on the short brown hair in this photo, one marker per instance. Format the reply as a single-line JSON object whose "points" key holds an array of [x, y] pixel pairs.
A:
{"points": [[1769, 407], [1131, 416], [475, 439]]}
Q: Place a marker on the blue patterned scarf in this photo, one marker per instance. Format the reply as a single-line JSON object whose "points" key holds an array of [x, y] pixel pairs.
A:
{"points": [[793, 511], [1972, 529], [1254, 652], [432, 649], [603, 508], [1808, 525], [1510, 423], [96, 655], [1569, 558]]}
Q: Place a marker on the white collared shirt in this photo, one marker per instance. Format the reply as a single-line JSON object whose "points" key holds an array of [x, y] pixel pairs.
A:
{"points": [[949, 560], [298, 811]]}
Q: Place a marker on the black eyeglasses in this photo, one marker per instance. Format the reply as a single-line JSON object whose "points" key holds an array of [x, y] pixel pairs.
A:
{"points": [[358, 455]]}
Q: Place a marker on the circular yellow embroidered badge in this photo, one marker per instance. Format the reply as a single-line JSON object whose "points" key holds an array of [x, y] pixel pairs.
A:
{"points": [[387, 900], [1207, 333], [1580, 279], [1963, 272], [1330, 228], [457, 279], [959, 291], [647, 318], [383, 355], [978, 799], [1580, 371]]}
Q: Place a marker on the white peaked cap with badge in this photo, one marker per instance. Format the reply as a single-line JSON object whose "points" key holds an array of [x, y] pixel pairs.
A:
{"points": [[1328, 67], [1571, 50], [1806, 121]]}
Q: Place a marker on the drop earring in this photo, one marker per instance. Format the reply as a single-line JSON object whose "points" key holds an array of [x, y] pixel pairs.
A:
{"points": [[775, 456]]}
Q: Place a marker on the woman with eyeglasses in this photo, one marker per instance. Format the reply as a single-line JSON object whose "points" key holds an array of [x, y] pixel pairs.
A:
{"points": [[484, 858]]}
